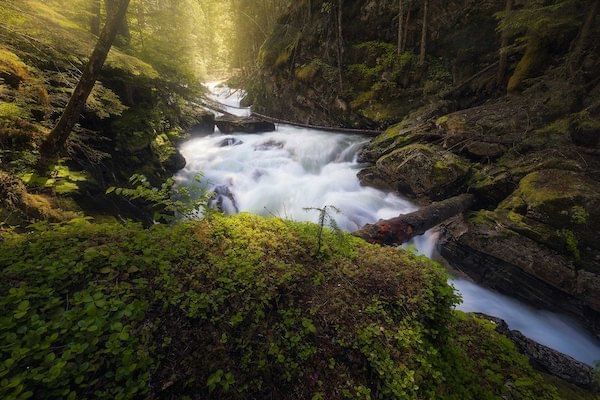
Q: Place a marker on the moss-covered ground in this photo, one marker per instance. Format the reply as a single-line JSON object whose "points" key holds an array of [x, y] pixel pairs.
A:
{"points": [[238, 308]]}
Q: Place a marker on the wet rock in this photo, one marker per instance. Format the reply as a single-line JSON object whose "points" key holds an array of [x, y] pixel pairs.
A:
{"points": [[421, 171], [269, 145], [224, 200], [546, 359], [229, 142], [231, 124], [490, 252]]}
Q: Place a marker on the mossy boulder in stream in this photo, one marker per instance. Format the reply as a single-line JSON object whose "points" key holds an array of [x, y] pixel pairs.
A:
{"points": [[419, 170], [237, 308]]}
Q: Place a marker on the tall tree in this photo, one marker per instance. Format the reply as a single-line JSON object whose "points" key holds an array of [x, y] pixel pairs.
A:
{"points": [[503, 64], [123, 28], [340, 42], [584, 33], [95, 11], [423, 52], [406, 24], [400, 19], [56, 140]]}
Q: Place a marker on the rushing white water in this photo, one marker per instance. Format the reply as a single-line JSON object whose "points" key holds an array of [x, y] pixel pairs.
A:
{"points": [[286, 172]]}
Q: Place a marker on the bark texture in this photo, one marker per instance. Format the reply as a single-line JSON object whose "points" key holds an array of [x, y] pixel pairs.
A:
{"points": [[59, 135], [404, 227]]}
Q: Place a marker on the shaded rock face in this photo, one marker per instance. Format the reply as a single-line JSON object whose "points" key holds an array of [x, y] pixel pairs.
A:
{"points": [[491, 253], [546, 359], [419, 171]]}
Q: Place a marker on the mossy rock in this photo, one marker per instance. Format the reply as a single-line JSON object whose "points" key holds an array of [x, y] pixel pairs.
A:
{"points": [[237, 308], [423, 171], [167, 154], [568, 202]]}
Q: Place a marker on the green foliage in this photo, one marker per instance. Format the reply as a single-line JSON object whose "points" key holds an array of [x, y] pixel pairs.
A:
{"points": [[167, 203], [325, 219], [543, 18], [233, 308], [60, 178]]}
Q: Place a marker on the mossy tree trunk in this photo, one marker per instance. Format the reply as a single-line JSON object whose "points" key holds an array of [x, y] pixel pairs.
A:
{"points": [[55, 142], [503, 64], [123, 27], [423, 52], [95, 16], [580, 42]]}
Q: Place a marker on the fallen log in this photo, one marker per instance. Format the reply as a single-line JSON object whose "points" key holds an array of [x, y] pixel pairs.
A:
{"points": [[232, 124], [403, 228]]}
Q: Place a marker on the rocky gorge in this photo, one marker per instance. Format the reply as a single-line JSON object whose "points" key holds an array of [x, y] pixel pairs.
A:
{"points": [[530, 157]]}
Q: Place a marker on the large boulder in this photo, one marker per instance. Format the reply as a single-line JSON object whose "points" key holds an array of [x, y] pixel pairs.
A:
{"points": [[497, 250], [420, 171]]}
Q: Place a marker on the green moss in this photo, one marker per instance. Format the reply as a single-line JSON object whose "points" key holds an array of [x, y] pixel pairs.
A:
{"points": [[11, 64], [308, 72], [12, 110], [234, 308], [163, 148], [571, 243], [60, 39]]}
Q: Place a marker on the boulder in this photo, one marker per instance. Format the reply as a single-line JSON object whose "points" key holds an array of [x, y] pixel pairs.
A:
{"points": [[421, 171], [231, 124]]}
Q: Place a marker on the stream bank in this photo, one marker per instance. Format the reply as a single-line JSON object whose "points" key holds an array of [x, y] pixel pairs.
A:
{"points": [[294, 171]]}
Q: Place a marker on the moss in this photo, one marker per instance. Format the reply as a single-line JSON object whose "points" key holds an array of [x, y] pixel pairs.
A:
{"points": [[571, 243], [59, 39], [532, 61], [308, 72], [233, 308], [163, 148], [554, 195], [11, 66], [12, 110]]}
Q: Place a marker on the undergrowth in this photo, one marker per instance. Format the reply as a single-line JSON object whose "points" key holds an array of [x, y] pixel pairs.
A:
{"points": [[238, 308]]}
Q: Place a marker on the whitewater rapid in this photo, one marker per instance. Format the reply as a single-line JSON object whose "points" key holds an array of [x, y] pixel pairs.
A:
{"points": [[291, 172]]}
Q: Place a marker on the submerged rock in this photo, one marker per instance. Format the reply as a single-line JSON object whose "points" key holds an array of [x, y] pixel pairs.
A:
{"points": [[228, 142], [269, 145]]}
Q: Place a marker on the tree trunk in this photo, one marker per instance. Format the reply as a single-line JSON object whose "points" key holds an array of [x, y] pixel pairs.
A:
{"points": [[424, 33], [579, 47], [59, 135], [400, 19], [95, 17], [340, 45], [403, 228], [123, 28], [405, 36], [503, 64]]}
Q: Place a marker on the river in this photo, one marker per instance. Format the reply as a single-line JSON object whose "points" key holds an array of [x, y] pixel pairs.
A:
{"points": [[286, 172]]}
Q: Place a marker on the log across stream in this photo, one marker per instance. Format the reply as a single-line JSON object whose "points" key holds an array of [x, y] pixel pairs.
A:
{"points": [[285, 172]]}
